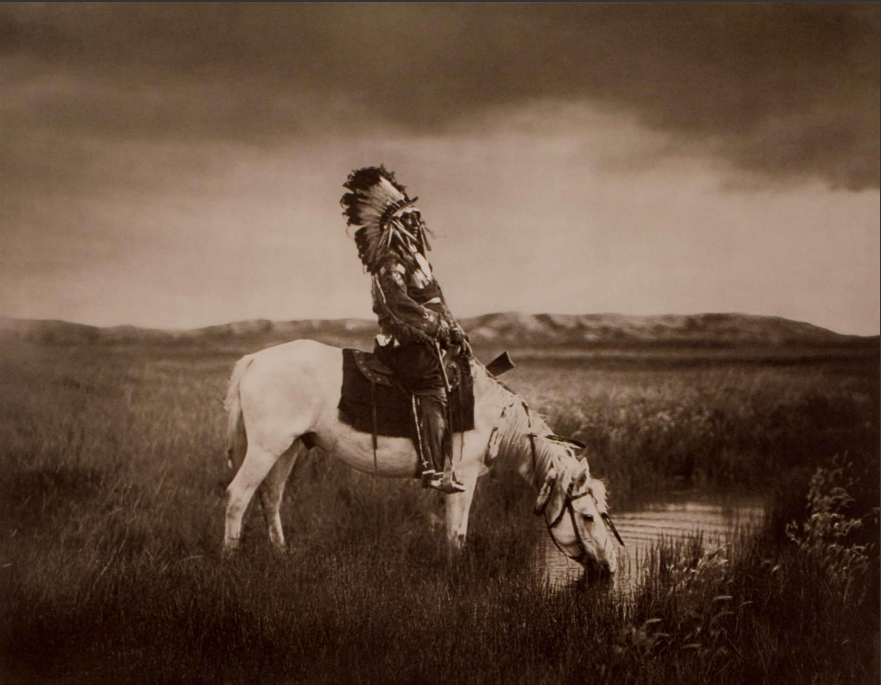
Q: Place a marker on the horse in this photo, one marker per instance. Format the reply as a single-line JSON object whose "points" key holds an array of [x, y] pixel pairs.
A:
{"points": [[283, 400]]}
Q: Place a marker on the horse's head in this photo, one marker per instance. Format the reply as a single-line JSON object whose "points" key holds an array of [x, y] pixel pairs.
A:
{"points": [[574, 507]]}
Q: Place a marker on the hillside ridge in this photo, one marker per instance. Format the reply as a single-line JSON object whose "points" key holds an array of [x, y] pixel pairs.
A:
{"points": [[513, 329]]}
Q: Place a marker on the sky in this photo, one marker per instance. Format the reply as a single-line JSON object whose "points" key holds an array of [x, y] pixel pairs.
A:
{"points": [[180, 165]]}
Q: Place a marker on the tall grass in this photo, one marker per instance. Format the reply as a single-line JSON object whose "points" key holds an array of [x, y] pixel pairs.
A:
{"points": [[111, 507], [711, 424]]}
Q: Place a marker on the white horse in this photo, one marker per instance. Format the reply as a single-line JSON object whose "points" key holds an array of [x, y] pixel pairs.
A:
{"points": [[284, 399]]}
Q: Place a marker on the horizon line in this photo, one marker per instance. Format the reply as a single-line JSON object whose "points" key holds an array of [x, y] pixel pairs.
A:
{"points": [[474, 316]]}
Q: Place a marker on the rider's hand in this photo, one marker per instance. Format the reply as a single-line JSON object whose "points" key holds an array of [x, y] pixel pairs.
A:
{"points": [[458, 337], [443, 333]]}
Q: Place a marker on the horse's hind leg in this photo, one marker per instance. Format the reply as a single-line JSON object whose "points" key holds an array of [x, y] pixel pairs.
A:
{"points": [[272, 490], [253, 470]]}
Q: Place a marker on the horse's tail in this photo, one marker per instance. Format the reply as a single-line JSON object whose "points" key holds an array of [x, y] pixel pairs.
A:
{"points": [[236, 437]]}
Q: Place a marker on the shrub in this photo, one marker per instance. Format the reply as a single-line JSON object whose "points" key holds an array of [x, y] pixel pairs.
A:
{"points": [[824, 536]]}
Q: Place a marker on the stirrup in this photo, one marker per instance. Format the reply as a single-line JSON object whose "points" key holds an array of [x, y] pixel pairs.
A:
{"points": [[428, 475], [437, 483]]}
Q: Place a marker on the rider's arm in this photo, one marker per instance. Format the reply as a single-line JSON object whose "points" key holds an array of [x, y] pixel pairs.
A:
{"points": [[457, 334], [409, 317]]}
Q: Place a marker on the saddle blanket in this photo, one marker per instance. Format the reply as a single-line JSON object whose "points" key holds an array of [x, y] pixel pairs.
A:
{"points": [[394, 413]]}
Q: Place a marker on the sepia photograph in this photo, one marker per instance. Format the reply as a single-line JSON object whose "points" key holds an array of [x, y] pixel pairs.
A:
{"points": [[440, 343]]}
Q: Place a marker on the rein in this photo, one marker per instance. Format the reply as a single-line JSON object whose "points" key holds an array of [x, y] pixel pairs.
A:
{"points": [[568, 508], [531, 438]]}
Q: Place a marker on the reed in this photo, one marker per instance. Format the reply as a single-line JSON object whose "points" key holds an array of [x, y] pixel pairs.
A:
{"points": [[111, 507]]}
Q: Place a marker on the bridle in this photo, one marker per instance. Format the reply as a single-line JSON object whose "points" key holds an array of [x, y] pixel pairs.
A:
{"points": [[568, 507]]}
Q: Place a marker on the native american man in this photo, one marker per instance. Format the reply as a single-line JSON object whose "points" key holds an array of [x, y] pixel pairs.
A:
{"points": [[414, 321]]}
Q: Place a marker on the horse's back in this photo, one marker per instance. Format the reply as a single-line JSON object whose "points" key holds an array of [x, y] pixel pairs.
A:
{"points": [[298, 351], [297, 361], [304, 375]]}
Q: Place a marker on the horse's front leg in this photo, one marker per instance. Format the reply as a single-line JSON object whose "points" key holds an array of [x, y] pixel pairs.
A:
{"points": [[458, 506]]}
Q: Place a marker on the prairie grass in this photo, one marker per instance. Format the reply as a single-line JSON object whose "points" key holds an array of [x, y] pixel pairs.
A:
{"points": [[711, 424], [111, 508]]}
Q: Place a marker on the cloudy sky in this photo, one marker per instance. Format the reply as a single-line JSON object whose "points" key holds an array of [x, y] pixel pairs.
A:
{"points": [[181, 165]]}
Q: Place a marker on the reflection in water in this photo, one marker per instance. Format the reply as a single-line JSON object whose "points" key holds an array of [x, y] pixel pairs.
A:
{"points": [[678, 516]]}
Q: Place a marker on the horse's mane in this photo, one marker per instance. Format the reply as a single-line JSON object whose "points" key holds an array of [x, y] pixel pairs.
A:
{"points": [[517, 422]]}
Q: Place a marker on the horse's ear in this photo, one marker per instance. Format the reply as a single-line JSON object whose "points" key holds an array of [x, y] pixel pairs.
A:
{"points": [[544, 495], [568, 442], [557, 497], [582, 479]]}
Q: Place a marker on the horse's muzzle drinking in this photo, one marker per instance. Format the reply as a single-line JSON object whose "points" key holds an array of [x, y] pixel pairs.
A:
{"points": [[574, 507]]}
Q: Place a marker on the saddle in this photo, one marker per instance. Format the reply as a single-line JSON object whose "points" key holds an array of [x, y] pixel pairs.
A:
{"points": [[372, 401]]}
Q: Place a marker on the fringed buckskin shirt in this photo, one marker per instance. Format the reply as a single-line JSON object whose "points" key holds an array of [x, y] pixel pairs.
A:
{"points": [[409, 303]]}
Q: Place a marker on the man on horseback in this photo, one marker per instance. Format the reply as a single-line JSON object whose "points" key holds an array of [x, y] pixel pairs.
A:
{"points": [[415, 324]]}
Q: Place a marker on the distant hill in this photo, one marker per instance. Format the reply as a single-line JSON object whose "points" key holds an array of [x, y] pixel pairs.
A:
{"points": [[669, 329], [509, 329]]}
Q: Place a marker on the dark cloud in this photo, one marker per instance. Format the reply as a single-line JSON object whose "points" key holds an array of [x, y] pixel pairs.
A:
{"points": [[788, 91]]}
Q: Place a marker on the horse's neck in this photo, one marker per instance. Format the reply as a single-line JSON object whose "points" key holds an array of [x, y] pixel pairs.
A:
{"points": [[532, 456], [545, 456]]}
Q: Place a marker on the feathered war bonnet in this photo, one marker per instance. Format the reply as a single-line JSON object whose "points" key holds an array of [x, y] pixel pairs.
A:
{"points": [[376, 205]]}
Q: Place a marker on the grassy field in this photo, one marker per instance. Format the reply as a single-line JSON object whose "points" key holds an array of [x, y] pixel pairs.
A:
{"points": [[111, 508]]}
